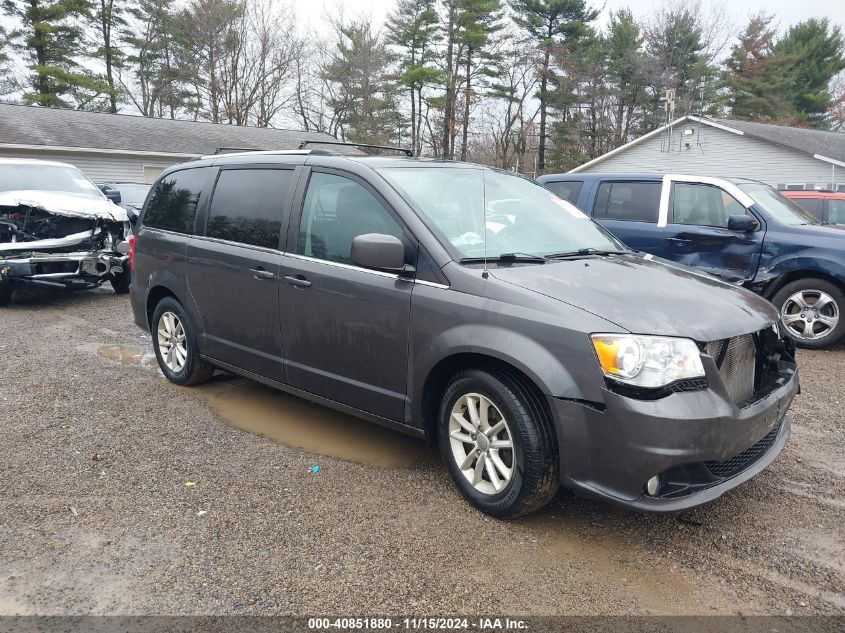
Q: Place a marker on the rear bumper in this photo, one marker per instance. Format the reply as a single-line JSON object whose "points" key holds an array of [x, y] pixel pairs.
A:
{"points": [[686, 438]]}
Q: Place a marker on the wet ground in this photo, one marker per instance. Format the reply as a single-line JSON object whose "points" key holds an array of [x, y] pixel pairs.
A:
{"points": [[123, 494]]}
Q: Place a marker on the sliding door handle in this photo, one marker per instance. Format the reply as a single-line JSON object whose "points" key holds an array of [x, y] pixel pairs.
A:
{"points": [[260, 273], [298, 281]]}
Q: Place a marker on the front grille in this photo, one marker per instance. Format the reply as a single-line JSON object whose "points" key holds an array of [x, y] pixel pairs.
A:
{"points": [[736, 360], [747, 457]]}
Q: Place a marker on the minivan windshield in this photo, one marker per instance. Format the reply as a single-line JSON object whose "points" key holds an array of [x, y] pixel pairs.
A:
{"points": [[487, 213], [40, 177], [778, 206]]}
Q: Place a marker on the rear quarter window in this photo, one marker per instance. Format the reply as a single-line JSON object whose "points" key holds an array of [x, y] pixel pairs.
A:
{"points": [[173, 203], [631, 201], [569, 190]]}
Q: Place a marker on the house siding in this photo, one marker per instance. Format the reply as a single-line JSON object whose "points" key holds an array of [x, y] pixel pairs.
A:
{"points": [[98, 167], [721, 153]]}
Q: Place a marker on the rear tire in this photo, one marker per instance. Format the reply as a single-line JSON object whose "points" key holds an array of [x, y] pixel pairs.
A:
{"points": [[811, 312], [510, 481], [5, 293], [176, 346]]}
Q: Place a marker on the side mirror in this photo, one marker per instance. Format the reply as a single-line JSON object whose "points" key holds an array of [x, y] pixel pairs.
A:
{"points": [[381, 252], [742, 223], [113, 195]]}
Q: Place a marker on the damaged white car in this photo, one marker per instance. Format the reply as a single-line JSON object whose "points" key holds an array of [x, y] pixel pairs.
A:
{"points": [[58, 230]]}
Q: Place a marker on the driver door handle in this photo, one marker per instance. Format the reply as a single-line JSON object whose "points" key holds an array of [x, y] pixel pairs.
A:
{"points": [[298, 281], [260, 273]]}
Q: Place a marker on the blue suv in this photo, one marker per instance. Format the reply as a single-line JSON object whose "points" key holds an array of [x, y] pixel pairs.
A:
{"points": [[739, 230]]}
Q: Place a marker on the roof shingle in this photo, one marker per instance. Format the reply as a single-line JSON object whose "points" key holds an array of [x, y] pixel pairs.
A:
{"points": [[828, 144], [32, 125]]}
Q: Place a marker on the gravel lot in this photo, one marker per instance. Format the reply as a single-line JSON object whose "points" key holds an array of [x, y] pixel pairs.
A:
{"points": [[96, 516]]}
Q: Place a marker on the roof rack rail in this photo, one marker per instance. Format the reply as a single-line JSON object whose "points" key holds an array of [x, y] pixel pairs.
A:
{"points": [[404, 150], [234, 150]]}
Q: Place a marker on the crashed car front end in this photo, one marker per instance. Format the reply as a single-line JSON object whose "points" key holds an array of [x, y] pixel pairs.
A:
{"points": [[57, 240]]}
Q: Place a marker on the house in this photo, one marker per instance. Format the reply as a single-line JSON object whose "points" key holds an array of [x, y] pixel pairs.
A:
{"points": [[126, 148], [784, 157]]}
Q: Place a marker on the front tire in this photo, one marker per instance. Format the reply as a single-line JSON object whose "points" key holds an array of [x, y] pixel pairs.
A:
{"points": [[120, 283], [499, 442], [176, 346], [811, 311]]}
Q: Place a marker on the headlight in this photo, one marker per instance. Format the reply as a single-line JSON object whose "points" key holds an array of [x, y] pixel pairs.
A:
{"points": [[647, 361]]}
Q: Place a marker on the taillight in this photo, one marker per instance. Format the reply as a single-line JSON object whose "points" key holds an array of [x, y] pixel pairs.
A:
{"points": [[131, 252]]}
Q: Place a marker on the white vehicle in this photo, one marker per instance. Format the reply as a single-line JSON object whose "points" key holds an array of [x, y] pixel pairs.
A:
{"points": [[58, 230]]}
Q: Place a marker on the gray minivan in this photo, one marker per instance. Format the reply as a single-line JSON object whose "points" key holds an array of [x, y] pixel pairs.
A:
{"points": [[470, 306]]}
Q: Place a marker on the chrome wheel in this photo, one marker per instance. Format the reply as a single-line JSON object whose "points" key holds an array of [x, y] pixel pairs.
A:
{"points": [[171, 342], [810, 315], [481, 443]]}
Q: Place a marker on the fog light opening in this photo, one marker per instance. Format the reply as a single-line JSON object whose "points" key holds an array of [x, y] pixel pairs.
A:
{"points": [[652, 486]]}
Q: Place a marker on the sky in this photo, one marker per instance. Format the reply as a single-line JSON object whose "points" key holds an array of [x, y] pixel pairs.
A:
{"points": [[788, 12]]}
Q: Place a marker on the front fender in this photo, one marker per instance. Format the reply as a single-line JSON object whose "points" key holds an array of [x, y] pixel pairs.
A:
{"points": [[524, 353], [807, 264]]}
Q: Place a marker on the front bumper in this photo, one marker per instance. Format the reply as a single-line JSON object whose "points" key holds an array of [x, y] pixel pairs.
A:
{"points": [[63, 270], [610, 453]]}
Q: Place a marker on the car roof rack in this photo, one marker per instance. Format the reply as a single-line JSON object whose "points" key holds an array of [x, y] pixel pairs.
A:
{"points": [[234, 150], [403, 150]]}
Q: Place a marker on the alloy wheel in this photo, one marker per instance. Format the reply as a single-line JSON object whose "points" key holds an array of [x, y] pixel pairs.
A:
{"points": [[810, 315], [171, 342], [481, 443]]}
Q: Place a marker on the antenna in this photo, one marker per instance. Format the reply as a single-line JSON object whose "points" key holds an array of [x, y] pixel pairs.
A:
{"points": [[484, 273], [669, 104]]}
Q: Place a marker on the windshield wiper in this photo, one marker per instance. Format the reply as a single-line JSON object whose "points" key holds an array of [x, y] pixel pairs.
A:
{"points": [[506, 258], [584, 252]]}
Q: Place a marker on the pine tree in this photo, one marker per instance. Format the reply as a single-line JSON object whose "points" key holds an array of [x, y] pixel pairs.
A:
{"points": [[413, 26], [626, 72], [756, 77], [676, 48], [551, 23], [51, 38], [816, 53], [477, 21], [158, 80], [8, 81], [109, 18], [364, 98]]}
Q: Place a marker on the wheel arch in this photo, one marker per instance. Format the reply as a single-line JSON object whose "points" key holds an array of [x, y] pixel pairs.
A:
{"points": [[154, 297], [437, 381], [796, 275]]}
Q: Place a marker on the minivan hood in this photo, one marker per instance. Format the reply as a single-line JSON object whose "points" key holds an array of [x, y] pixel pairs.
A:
{"points": [[646, 296]]}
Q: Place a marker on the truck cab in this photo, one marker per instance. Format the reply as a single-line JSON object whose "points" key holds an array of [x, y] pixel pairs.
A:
{"points": [[739, 230]]}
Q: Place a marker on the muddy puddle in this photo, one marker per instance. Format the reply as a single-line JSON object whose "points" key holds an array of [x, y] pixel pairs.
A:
{"points": [[297, 423], [127, 355], [290, 420]]}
